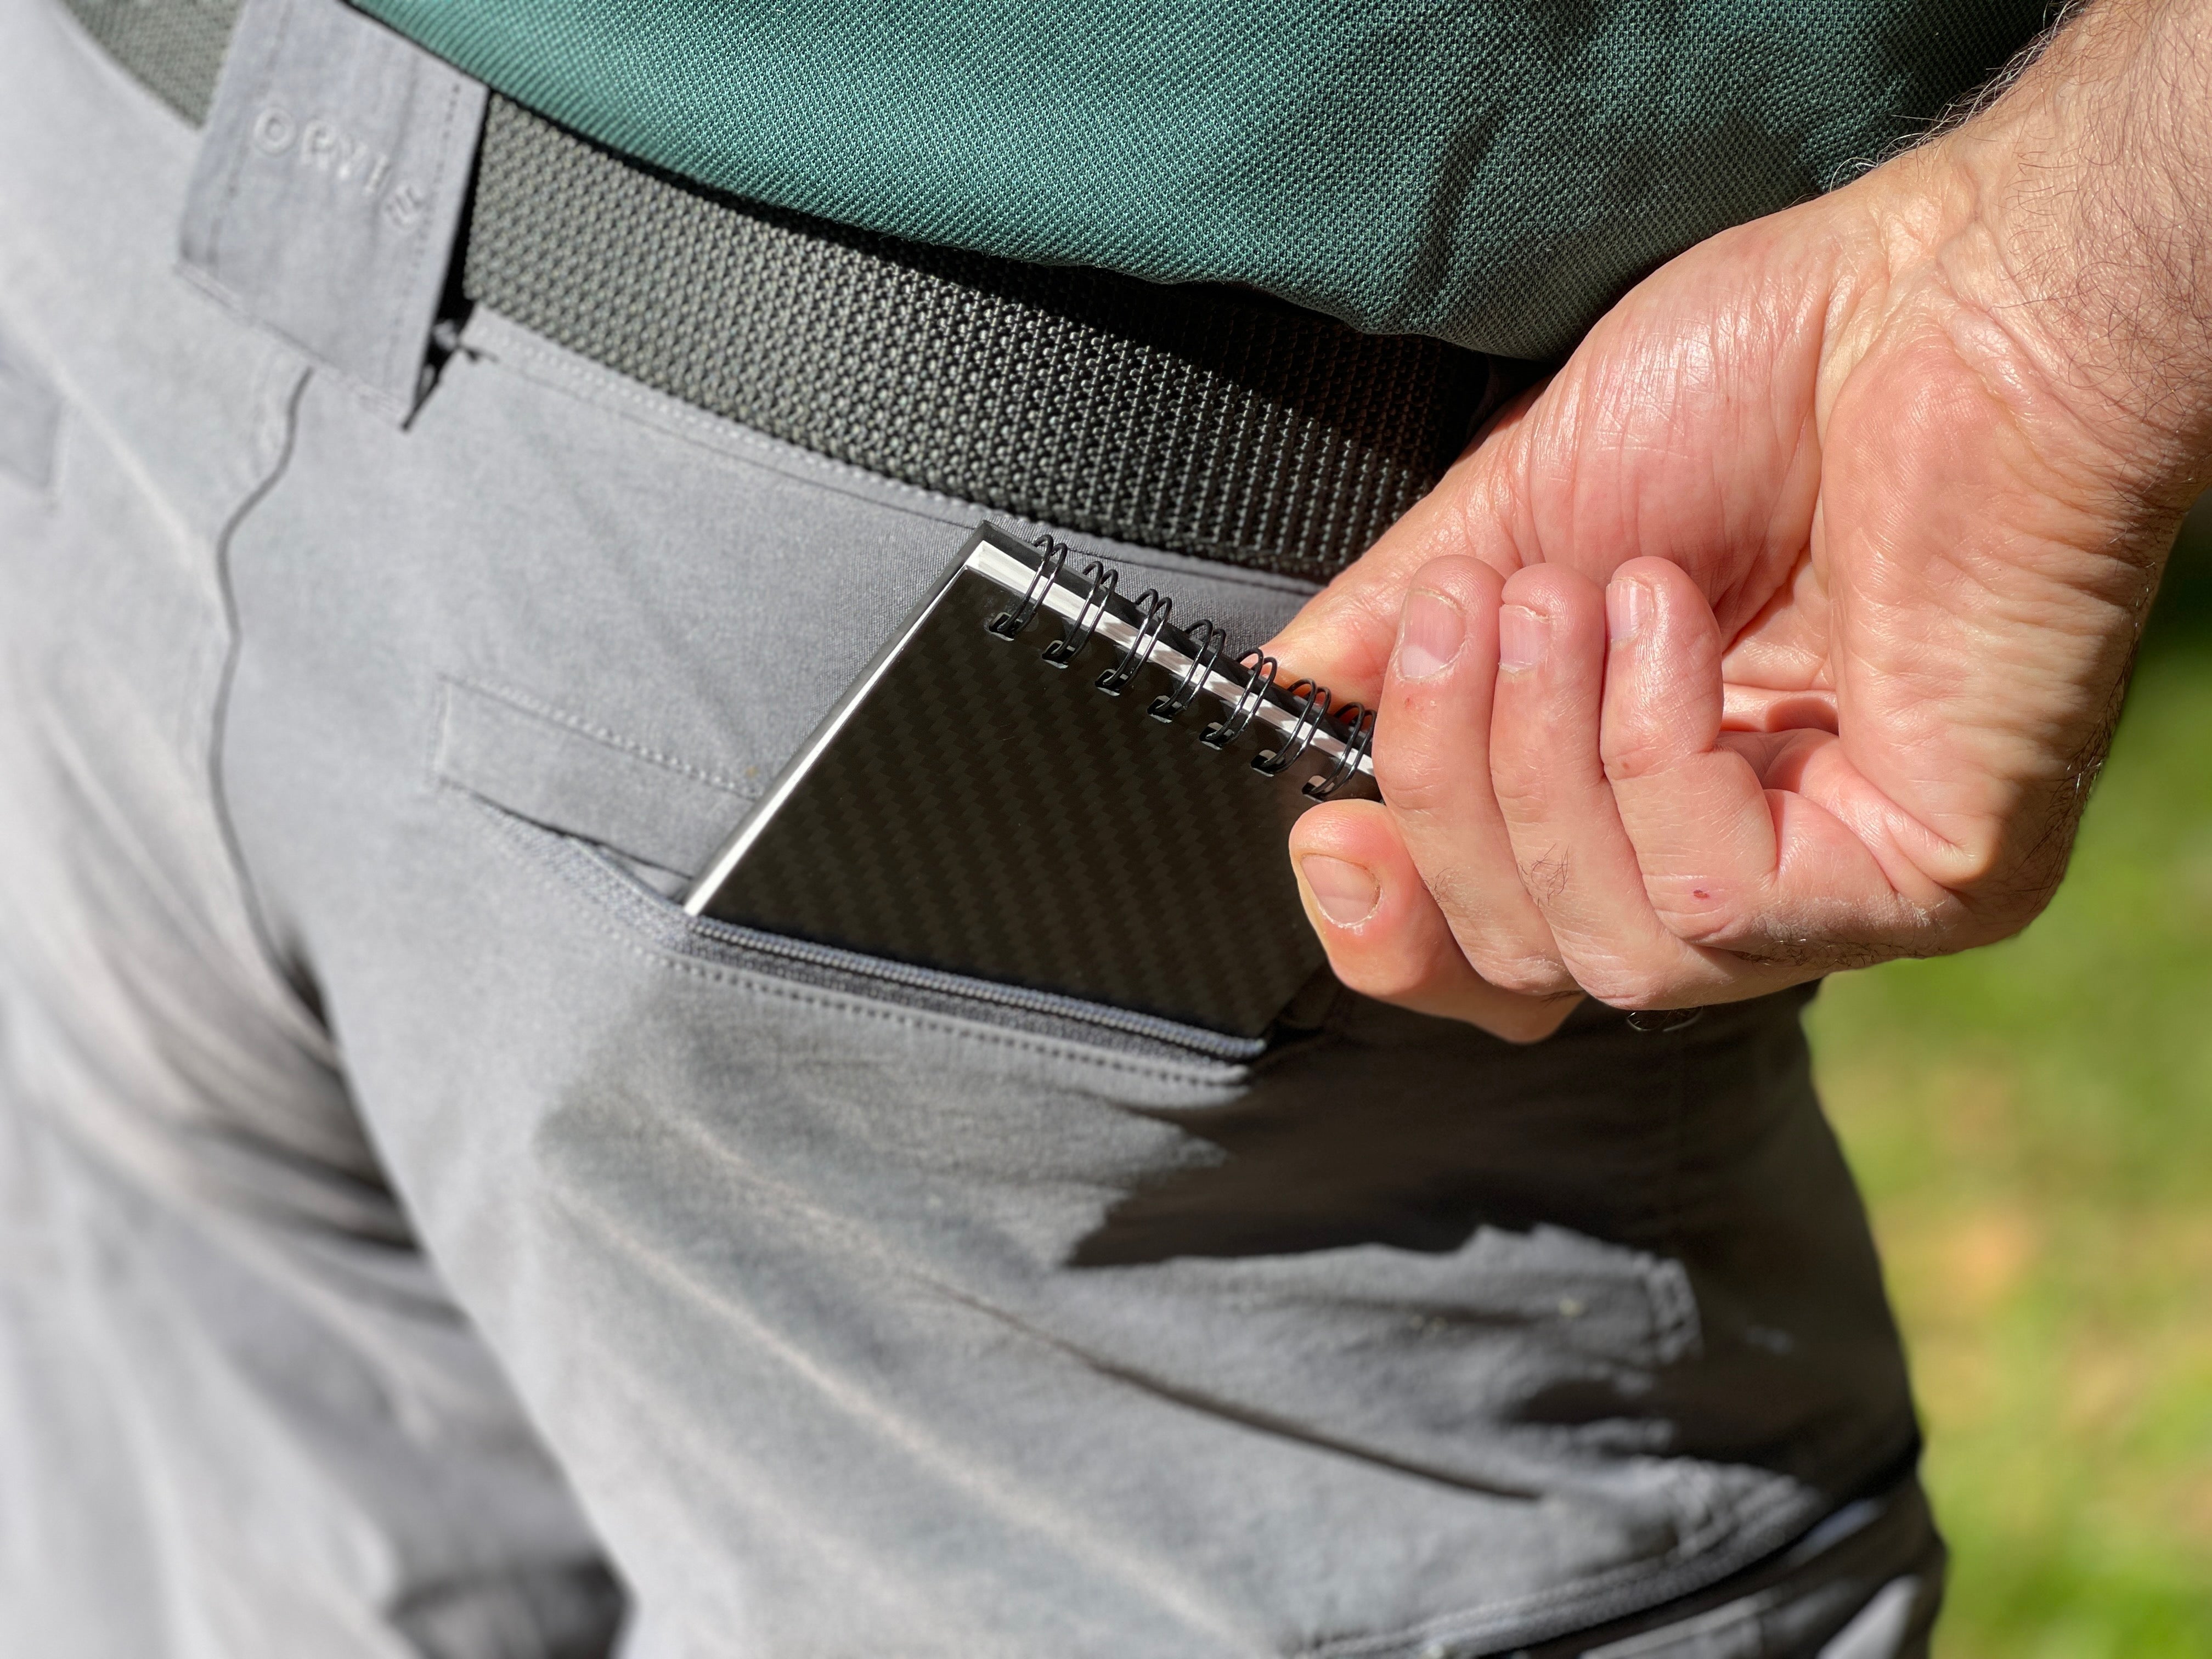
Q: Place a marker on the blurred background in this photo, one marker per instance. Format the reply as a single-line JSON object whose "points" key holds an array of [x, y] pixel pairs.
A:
{"points": [[2033, 1126]]}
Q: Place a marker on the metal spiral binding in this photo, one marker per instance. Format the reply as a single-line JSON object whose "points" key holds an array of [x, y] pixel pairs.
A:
{"points": [[1360, 738], [1312, 713], [1208, 645], [1211, 642], [1007, 623], [1259, 680], [1156, 605], [1100, 581]]}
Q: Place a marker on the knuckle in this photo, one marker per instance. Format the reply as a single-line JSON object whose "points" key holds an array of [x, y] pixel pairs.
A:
{"points": [[1977, 863], [1699, 914], [1525, 972], [1520, 788], [1414, 778], [1632, 749], [1628, 986]]}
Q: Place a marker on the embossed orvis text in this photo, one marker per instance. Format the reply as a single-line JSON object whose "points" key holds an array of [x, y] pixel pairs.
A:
{"points": [[349, 161]]}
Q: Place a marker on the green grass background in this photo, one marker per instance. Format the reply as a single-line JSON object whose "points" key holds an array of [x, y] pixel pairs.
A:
{"points": [[2033, 1126]]}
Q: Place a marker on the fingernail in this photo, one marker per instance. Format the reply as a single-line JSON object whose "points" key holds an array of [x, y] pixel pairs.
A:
{"points": [[1522, 634], [1429, 630], [1346, 891], [1627, 604]]}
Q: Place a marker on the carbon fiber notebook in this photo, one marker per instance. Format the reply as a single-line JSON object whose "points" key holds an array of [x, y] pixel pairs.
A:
{"points": [[1045, 784]]}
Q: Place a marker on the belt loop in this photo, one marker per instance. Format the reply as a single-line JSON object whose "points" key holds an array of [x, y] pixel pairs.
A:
{"points": [[328, 191]]}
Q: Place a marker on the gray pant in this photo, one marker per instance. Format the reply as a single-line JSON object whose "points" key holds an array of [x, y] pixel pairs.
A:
{"points": [[411, 1230]]}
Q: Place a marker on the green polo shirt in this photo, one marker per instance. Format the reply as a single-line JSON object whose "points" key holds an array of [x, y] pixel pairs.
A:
{"points": [[1490, 173]]}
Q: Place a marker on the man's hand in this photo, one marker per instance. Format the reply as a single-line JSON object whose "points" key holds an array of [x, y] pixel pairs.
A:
{"points": [[1784, 629]]}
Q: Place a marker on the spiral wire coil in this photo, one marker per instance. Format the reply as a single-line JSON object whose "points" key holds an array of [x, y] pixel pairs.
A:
{"points": [[1255, 672]]}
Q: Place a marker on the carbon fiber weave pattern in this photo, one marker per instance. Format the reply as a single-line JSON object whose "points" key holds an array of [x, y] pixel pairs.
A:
{"points": [[1207, 420], [988, 814]]}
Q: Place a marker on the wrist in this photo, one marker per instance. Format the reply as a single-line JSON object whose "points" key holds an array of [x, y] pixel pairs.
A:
{"points": [[2070, 228]]}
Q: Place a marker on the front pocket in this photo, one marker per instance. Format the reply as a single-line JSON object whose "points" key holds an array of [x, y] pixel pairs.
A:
{"points": [[593, 805]]}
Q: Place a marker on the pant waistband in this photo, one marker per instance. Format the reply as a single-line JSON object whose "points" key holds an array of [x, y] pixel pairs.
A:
{"points": [[1203, 419]]}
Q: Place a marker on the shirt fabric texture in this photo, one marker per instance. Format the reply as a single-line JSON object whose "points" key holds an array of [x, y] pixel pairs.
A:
{"points": [[1490, 173]]}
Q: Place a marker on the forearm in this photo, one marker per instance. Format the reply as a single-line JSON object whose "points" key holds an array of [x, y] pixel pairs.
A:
{"points": [[2094, 225]]}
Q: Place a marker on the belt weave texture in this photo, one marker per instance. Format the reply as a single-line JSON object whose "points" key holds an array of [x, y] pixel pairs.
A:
{"points": [[1204, 420]]}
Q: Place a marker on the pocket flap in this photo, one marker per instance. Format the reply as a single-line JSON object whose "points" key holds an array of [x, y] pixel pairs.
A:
{"points": [[567, 773]]}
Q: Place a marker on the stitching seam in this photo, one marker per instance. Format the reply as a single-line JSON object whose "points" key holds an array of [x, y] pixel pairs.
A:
{"points": [[523, 703], [263, 75], [396, 331], [764, 983]]}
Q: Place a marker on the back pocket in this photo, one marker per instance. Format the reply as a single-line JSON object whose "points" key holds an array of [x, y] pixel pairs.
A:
{"points": [[628, 824], [1170, 1329]]}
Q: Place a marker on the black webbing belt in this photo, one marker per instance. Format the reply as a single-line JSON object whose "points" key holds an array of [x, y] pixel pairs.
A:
{"points": [[1206, 420]]}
